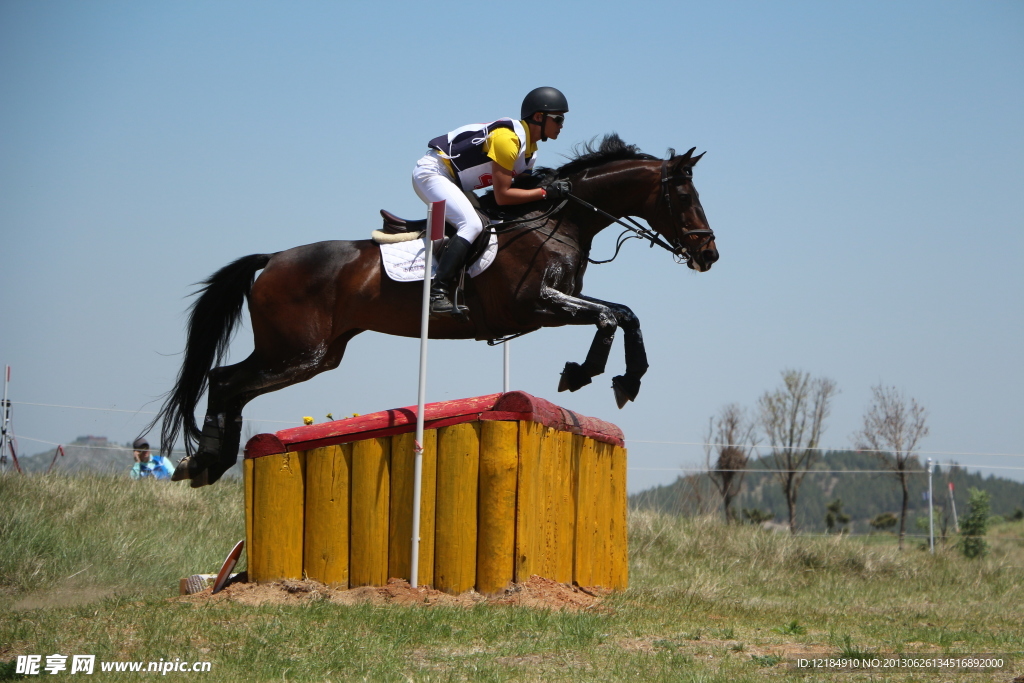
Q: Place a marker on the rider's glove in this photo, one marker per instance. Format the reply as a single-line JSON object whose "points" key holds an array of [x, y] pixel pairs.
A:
{"points": [[558, 189]]}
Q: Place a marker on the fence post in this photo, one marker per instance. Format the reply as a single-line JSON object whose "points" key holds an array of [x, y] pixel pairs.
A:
{"points": [[931, 512]]}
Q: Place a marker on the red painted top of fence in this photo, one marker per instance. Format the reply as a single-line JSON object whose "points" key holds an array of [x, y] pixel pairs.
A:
{"points": [[514, 405]]}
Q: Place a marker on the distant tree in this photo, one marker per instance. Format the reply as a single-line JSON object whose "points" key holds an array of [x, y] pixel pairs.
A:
{"points": [[793, 418], [893, 426], [884, 521], [943, 518], [835, 515], [938, 522], [975, 524], [696, 496], [731, 437]]}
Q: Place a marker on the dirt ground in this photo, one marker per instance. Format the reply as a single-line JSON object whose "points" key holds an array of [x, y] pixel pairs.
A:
{"points": [[537, 592]]}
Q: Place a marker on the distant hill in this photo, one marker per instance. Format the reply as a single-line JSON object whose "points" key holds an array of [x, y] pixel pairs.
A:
{"points": [[85, 454], [864, 495], [88, 454]]}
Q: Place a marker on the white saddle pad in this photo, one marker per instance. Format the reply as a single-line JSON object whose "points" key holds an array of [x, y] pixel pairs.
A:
{"points": [[403, 261]]}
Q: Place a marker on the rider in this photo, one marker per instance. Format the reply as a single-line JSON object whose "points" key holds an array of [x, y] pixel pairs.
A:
{"points": [[483, 155]]}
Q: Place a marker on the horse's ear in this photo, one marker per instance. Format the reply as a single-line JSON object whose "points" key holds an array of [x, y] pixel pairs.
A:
{"points": [[687, 160]]}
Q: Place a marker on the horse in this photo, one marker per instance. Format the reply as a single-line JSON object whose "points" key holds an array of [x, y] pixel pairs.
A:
{"points": [[310, 301]]}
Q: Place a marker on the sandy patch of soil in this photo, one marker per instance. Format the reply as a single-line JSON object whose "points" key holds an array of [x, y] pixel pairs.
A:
{"points": [[62, 597], [537, 592]]}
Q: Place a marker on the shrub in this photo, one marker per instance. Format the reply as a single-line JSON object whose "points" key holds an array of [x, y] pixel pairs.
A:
{"points": [[975, 524], [755, 516], [884, 521]]}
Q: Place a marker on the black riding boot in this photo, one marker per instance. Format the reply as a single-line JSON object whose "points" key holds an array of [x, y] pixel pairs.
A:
{"points": [[448, 268]]}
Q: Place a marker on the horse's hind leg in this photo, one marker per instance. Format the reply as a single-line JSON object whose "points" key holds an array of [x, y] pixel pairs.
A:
{"points": [[222, 426], [231, 388]]}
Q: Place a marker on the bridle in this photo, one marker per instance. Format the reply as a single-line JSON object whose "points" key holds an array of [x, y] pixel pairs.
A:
{"points": [[634, 230], [666, 192]]}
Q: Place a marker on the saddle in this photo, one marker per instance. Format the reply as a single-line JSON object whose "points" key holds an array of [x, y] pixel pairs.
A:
{"points": [[397, 229], [393, 225]]}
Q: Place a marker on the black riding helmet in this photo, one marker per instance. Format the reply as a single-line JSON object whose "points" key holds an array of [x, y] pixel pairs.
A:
{"points": [[543, 100]]}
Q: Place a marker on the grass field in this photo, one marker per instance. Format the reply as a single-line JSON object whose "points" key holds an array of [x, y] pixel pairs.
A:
{"points": [[90, 565]]}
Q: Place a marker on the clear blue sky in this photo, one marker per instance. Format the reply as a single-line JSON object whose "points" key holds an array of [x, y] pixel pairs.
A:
{"points": [[863, 174]]}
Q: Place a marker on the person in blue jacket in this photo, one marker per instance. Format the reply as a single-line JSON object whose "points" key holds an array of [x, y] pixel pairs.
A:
{"points": [[147, 466]]}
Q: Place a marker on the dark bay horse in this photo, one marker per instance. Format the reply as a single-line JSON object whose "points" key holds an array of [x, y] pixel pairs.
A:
{"points": [[311, 300]]}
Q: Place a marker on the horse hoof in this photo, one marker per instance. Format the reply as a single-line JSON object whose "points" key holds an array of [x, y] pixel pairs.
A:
{"points": [[626, 389], [188, 468], [620, 398], [200, 479], [181, 472], [573, 377], [216, 471]]}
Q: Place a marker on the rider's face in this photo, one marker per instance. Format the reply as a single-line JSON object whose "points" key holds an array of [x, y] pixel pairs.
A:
{"points": [[553, 125]]}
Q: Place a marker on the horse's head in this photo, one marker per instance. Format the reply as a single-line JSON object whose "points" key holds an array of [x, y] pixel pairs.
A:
{"points": [[678, 216], [622, 181]]}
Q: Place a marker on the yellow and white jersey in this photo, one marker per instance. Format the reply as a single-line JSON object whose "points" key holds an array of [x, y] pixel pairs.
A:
{"points": [[469, 151]]}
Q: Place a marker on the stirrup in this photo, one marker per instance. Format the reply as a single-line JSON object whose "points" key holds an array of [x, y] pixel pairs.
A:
{"points": [[442, 304]]}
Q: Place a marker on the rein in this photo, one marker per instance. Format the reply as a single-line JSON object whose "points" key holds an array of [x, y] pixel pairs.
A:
{"points": [[633, 229], [509, 226], [639, 232], [679, 253]]}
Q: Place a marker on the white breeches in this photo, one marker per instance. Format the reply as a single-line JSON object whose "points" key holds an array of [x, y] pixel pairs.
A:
{"points": [[433, 182]]}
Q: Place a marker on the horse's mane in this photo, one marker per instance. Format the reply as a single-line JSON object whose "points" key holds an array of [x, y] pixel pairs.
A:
{"points": [[583, 156]]}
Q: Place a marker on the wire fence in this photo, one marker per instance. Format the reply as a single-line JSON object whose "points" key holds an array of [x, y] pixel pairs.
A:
{"points": [[678, 470], [755, 465], [135, 412]]}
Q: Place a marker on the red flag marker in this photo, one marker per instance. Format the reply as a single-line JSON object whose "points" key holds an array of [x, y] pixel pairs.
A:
{"points": [[437, 220]]}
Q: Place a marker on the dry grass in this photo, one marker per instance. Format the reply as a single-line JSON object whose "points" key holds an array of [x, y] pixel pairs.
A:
{"points": [[707, 602], [62, 533]]}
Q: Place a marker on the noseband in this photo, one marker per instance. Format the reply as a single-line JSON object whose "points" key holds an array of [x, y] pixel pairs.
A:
{"points": [[636, 231]]}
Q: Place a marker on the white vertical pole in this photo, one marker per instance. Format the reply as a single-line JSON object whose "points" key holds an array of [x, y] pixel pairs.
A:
{"points": [[931, 513], [435, 220], [505, 353]]}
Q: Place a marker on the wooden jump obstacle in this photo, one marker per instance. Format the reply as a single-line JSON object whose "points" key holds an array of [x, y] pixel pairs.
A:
{"points": [[512, 486]]}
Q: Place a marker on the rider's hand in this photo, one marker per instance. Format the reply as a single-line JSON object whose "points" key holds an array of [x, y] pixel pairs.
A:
{"points": [[558, 189]]}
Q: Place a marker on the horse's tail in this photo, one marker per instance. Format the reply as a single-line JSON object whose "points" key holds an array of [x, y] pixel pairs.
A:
{"points": [[211, 322]]}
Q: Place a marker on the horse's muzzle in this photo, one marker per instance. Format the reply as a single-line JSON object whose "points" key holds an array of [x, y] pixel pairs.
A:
{"points": [[702, 260]]}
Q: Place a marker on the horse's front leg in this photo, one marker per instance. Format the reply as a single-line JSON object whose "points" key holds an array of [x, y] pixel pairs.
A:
{"points": [[608, 317], [627, 386], [576, 376]]}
